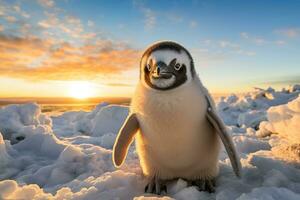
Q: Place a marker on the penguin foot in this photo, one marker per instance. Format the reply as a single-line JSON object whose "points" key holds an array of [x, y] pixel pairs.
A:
{"points": [[204, 185], [156, 186]]}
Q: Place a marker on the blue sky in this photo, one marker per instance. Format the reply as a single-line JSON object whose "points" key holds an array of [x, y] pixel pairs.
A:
{"points": [[236, 44]]}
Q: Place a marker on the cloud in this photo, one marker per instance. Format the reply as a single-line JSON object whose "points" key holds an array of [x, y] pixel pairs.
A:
{"points": [[12, 12], [69, 25], [149, 14], [15, 19], [247, 53], [207, 57], [284, 80], [56, 25], [37, 59], [289, 32], [259, 41], [90, 23], [153, 17], [46, 3], [17, 9], [174, 18], [225, 48], [244, 35], [280, 42], [225, 44], [235, 48], [10, 19], [193, 24], [254, 39], [57, 47], [150, 18]]}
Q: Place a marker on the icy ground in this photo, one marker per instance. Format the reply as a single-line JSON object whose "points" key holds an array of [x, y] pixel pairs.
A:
{"points": [[69, 156]]}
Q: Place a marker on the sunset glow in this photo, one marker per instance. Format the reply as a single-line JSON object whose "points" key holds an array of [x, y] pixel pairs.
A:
{"points": [[46, 44], [196, 99], [81, 90]]}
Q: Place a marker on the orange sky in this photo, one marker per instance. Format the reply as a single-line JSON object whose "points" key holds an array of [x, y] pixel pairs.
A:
{"points": [[48, 48], [31, 67]]}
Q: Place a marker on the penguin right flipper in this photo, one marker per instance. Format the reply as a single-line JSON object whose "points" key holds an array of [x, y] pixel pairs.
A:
{"points": [[217, 123], [124, 139]]}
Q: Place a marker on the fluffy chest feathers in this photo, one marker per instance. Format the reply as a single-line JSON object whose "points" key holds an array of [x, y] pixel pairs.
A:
{"points": [[171, 121]]}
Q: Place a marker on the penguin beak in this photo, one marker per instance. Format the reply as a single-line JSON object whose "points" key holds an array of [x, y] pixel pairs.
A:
{"points": [[161, 72]]}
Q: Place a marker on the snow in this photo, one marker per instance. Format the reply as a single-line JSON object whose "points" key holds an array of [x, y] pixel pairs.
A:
{"points": [[284, 120], [69, 156]]}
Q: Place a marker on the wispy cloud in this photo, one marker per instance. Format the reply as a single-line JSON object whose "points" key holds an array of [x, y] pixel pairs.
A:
{"points": [[282, 81], [204, 57], [67, 24], [59, 46], [90, 23], [259, 40], [150, 18], [17, 9], [247, 53], [193, 24], [46, 3], [280, 42], [10, 19], [11, 12], [174, 17], [289, 32], [36, 59], [226, 43], [153, 18], [54, 23], [226, 47], [244, 35], [149, 14]]}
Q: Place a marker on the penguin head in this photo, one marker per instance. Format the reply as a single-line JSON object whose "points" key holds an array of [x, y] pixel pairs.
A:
{"points": [[166, 65]]}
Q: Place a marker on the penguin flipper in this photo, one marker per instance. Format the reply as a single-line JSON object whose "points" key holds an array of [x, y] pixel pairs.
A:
{"points": [[124, 139], [217, 123]]}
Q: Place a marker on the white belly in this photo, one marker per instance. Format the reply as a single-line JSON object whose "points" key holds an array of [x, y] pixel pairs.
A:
{"points": [[174, 135]]}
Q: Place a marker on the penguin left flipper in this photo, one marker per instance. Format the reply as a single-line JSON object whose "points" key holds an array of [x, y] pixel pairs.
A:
{"points": [[217, 123], [124, 139]]}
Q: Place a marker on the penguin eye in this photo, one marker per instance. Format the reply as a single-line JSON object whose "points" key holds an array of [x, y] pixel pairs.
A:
{"points": [[148, 67], [177, 66]]}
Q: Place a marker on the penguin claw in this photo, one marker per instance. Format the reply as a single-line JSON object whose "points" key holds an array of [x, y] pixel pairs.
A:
{"points": [[155, 186], [204, 185]]}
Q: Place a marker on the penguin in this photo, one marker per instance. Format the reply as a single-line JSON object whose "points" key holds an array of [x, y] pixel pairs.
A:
{"points": [[174, 121]]}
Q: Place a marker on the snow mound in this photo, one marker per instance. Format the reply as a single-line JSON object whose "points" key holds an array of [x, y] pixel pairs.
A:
{"points": [[284, 120], [250, 109], [69, 156], [103, 123], [50, 160], [18, 122]]}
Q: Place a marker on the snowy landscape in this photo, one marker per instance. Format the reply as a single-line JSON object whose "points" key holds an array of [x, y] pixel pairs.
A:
{"points": [[68, 156]]}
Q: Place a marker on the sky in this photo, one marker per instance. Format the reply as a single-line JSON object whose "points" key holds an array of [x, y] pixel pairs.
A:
{"points": [[62, 48]]}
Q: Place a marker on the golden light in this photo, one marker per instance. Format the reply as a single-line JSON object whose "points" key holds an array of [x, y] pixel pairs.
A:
{"points": [[81, 89]]}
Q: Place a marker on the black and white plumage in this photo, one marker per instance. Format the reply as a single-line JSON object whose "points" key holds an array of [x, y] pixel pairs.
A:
{"points": [[173, 118]]}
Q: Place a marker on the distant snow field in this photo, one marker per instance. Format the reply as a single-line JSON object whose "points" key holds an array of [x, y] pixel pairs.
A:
{"points": [[69, 156]]}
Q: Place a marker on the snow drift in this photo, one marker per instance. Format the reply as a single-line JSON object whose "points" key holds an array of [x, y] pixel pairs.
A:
{"points": [[69, 156]]}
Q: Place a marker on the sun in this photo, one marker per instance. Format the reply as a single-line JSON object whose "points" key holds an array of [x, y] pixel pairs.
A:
{"points": [[81, 89]]}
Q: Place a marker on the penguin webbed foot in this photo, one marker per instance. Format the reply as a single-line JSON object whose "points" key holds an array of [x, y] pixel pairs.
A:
{"points": [[204, 184], [156, 186]]}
